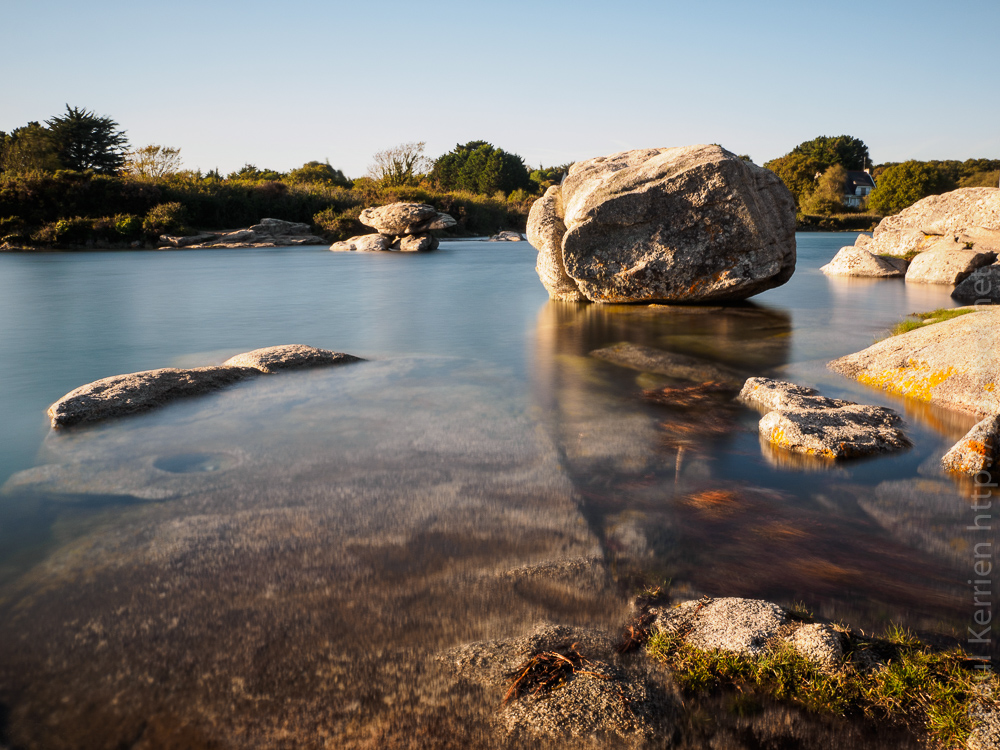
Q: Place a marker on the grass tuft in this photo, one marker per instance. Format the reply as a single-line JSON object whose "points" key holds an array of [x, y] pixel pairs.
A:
{"points": [[913, 685], [919, 320]]}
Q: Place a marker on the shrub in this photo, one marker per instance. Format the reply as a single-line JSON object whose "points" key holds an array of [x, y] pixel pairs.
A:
{"points": [[127, 226], [166, 218], [337, 226]]}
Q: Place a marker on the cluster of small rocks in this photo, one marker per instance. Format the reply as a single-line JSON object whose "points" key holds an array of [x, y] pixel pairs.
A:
{"points": [[121, 395], [405, 227], [800, 420], [268, 233]]}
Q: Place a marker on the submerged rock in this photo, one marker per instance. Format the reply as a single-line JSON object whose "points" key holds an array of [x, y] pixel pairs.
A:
{"points": [[968, 214], [954, 363], [507, 236], [982, 286], [946, 262], [804, 422], [689, 224], [136, 392], [365, 243], [599, 695], [671, 364], [978, 450], [856, 261], [289, 357]]}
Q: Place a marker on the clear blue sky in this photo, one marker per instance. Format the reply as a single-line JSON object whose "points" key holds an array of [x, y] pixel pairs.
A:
{"points": [[281, 84]]}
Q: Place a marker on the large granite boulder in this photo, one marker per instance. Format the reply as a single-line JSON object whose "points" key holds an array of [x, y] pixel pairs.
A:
{"points": [[690, 224], [981, 286], [968, 214], [857, 261], [401, 219], [954, 363], [946, 262], [799, 420]]}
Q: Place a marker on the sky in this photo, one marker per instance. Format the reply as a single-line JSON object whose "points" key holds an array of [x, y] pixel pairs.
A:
{"points": [[277, 85]]}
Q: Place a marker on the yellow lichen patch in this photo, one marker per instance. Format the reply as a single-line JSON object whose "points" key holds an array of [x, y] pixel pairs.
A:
{"points": [[915, 380], [989, 387]]}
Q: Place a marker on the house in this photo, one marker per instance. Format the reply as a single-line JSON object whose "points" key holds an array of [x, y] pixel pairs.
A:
{"points": [[857, 187]]}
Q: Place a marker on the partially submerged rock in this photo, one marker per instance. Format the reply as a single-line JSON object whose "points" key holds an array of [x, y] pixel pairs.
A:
{"points": [[136, 392], [978, 450], [801, 421], [601, 697], [289, 357], [967, 214], [507, 236], [982, 286], [954, 363], [416, 243], [671, 364], [856, 261], [689, 224], [364, 243], [946, 262], [268, 233]]}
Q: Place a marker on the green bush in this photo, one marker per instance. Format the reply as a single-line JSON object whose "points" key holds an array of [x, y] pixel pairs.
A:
{"points": [[166, 218], [337, 226], [128, 226]]}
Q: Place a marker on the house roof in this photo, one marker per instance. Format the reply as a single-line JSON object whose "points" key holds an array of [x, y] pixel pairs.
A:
{"points": [[858, 179]]}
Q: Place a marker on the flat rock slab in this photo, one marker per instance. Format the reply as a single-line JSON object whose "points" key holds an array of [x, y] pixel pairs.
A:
{"points": [[979, 449], [604, 697], [857, 261], [121, 395], [982, 286], [680, 366], [690, 224], [801, 421], [954, 363], [946, 263]]}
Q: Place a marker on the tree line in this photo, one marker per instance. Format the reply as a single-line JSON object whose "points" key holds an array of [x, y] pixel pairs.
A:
{"points": [[815, 172], [76, 180]]}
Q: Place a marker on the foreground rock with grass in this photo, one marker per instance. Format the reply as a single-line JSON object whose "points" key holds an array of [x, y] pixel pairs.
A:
{"points": [[954, 363], [136, 392], [691, 224], [800, 420]]}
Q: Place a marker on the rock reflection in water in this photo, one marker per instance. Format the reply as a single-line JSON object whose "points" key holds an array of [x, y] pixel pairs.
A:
{"points": [[715, 513]]}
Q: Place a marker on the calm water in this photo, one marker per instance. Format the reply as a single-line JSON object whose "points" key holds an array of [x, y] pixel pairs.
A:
{"points": [[297, 520]]}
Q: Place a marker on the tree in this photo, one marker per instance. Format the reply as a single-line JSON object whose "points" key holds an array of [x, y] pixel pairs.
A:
{"points": [[850, 152], [251, 173], [82, 140], [798, 172], [399, 165], [318, 172], [902, 185], [153, 162], [27, 150], [480, 167], [828, 195]]}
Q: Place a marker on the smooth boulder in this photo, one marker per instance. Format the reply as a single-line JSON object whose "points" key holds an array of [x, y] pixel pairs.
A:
{"points": [[857, 261], [401, 219], [365, 243], [966, 214], [946, 262], [273, 359], [799, 420], [691, 224], [954, 363], [982, 286], [417, 243]]}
